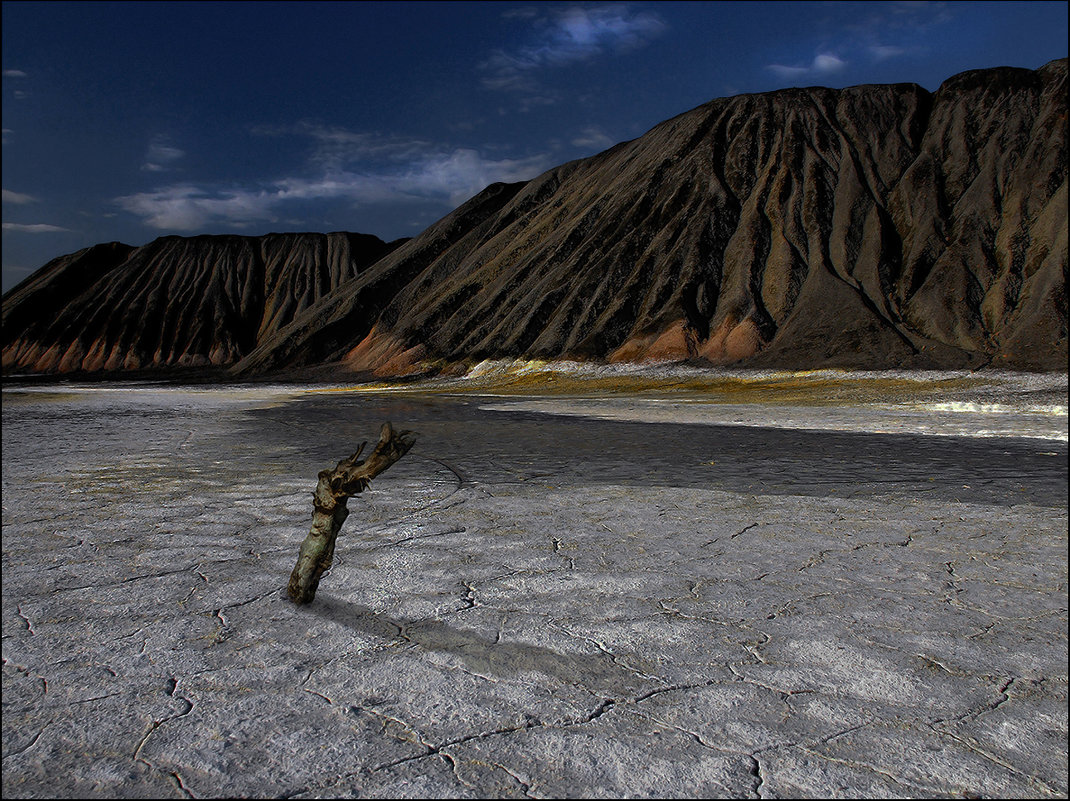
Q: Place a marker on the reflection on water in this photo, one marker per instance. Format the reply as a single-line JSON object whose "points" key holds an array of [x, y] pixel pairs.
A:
{"points": [[915, 418], [942, 403], [1001, 437], [513, 445]]}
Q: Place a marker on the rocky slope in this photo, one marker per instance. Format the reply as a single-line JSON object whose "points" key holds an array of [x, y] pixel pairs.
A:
{"points": [[176, 302], [875, 226]]}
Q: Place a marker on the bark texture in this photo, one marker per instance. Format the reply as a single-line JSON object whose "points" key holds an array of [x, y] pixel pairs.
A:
{"points": [[333, 491]]}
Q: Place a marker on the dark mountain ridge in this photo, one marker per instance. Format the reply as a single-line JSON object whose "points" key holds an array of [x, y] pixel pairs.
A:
{"points": [[176, 302], [871, 227]]}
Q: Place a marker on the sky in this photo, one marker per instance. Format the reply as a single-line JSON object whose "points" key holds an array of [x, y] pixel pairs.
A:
{"points": [[132, 120]]}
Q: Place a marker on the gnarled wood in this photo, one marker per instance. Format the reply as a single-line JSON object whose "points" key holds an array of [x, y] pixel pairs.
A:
{"points": [[351, 476]]}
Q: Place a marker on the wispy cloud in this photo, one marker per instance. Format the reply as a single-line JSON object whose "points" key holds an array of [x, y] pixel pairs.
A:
{"points": [[885, 52], [35, 228], [921, 11], [850, 38], [562, 36], [161, 156], [17, 197], [336, 148], [344, 165], [186, 207], [461, 173], [900, 29], [822, 65], [16, 269], [593, 138], [18, 94]]}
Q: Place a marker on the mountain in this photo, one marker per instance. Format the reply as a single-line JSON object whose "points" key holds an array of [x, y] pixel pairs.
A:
{"points": [[871, 227], [176, 302]]}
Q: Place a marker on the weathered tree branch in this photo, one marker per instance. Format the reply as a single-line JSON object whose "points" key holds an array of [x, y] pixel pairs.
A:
{"points": [[329, 508]]}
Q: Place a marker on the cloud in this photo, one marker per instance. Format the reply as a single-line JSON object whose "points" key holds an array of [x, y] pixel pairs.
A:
{"points": [[827, 62], [565, 36], [893, 30], [922, 12], [335, 147], [461, 173], [885, 52], [823, 64], [854, 37], [186, 207], [353, 167], [161, 156], [593, 138], [36, 228], [17, 197], [15, 74]]}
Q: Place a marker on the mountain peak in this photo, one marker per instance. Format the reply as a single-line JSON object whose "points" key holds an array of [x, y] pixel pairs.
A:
{"points": [[876, 226]]}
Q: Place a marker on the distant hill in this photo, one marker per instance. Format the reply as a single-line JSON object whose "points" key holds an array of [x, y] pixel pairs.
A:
{"points": [[197, 301], [873, 227]]}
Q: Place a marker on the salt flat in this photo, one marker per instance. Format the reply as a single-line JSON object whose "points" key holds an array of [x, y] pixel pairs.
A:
{"points": [[547, 597]]}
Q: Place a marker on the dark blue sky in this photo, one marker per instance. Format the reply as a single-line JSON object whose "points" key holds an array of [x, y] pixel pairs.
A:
{"points": [[127, 121]]}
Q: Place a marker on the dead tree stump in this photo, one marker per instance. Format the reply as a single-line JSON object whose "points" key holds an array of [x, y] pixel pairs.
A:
{"points": [[329, 508]]}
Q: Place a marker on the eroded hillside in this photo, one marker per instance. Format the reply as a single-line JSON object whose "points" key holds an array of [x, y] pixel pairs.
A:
{"points": [[874, 226]]}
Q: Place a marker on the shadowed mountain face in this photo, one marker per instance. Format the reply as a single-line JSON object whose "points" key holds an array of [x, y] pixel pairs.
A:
{"points": [[176, 302], [875, 226]]}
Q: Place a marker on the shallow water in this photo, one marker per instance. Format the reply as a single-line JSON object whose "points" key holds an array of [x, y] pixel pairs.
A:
{"points": [[490, 442], [959, 404], [992, 439]]}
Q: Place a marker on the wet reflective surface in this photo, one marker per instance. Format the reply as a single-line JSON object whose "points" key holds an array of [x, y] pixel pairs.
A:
{"points": [[491, 445]]}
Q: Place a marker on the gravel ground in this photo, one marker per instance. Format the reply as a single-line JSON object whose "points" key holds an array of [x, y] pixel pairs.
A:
{"points": [[527, 604]]}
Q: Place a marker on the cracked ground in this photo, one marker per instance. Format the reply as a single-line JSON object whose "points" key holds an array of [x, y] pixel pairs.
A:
{"points": [[523, 606]]}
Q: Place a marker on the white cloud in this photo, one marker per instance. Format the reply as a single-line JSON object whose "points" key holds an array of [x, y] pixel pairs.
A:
{"points": [[36, 228], [922, 12], [823, 64], [161, 156], [522, 12], [858, 36], [463, 172], [17, 197], [444, 176], [593, 138], [336, 147], [15, 74], [885, 52], [189, 208], [895, 30], [566, 36]]}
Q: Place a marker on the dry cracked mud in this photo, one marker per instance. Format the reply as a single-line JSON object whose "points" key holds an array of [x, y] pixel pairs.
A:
{"points": [[526, 605]]}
